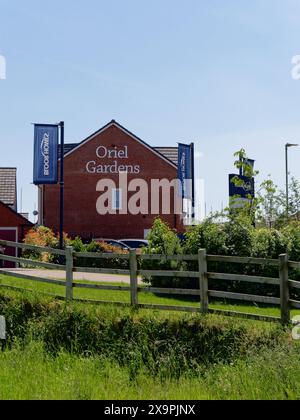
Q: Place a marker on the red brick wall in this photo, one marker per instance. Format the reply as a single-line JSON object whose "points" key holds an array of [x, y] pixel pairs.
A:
{"points": [[81, 217]]}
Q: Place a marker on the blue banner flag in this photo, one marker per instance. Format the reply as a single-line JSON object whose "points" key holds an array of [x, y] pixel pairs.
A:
{"points": [[185, 170], [246, 189], [250, 162], [45, 154]]}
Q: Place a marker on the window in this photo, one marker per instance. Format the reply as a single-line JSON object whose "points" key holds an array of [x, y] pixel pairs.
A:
{"points": [[117, 199], [146, 233]]}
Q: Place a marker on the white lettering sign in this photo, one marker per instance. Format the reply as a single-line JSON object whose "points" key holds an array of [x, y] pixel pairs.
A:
{"points": [[45, 150], [115, 154]]}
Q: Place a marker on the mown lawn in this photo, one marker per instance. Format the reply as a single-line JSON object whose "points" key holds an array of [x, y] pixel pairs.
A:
{"points": [[144, 297]]}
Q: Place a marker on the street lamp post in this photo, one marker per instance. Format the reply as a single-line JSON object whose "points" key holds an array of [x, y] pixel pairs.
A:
{"points": [[287, 146]]}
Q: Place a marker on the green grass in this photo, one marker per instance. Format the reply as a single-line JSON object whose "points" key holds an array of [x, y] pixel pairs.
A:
{"points": [[79, 351], [144, 297], [32, 374]]}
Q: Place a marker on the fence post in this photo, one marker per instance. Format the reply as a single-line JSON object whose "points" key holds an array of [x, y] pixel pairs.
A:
{"points": [[69, 273], [203, 281], [284, 288], [133, 278]]}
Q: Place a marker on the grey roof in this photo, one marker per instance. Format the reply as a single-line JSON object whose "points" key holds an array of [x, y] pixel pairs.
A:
{"points": [[8, 186], [170, 153], [68, 148]]}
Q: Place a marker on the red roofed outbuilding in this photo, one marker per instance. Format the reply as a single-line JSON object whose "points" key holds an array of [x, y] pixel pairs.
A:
{"points": [[13, 227]]}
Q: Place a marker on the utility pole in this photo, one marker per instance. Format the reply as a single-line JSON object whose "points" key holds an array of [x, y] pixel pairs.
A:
{"points": [[61, 185], [287, 146]]}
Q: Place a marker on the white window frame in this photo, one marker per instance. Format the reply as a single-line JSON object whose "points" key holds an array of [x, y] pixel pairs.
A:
{"points": [[116, 191], [146, 233]]}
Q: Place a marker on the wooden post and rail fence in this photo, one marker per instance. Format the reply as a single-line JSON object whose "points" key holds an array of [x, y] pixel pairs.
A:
{"points": [[285, 285]]}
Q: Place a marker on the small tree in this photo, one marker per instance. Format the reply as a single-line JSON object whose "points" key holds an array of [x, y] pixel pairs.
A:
{"points": [[269, 204], [162, 241], [43, 237], [294, 199], [273, 203], [249, 207]]}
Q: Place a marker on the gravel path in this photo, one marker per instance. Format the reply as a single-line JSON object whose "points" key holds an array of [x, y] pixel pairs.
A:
{"points": [[60, 275]]}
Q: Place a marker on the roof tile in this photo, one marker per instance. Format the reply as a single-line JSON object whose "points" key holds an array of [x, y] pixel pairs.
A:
{"points": [[8, 186]]}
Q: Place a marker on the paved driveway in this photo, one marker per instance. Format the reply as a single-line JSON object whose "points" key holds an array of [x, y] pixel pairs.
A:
{"points": [[61, 275]]}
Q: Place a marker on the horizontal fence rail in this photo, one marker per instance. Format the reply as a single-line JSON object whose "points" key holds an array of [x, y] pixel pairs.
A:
{"points": [[295, 304], [203, 294], [294, 284], [161, 273], [175, 292], [158, 257], [33, 263], [294, 265], [243, 278], [242, 260], [38, 249], [244, 297], [101, 271], [96, 255]]}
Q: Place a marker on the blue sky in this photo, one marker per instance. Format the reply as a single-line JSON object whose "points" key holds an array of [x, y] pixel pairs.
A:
{"points": [[214, 72]]}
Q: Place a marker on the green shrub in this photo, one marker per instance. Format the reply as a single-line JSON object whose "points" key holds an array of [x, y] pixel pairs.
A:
{"points": [[78, 245], [101, 248], [239, 237], [162, 241], [291, 234], [208, 235], [45, 237], [292, 239], [268, 243]]}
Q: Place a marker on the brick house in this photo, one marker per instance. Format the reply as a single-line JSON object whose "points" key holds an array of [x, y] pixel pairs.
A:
{"points": [[105, 155], [13, 226]]}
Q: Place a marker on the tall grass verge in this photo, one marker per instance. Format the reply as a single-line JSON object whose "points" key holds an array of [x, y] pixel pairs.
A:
{"points": [[31, 373], [165, 344]]}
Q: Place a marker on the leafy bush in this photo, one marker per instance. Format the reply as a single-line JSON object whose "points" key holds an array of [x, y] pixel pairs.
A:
{"points": [[210, 236], [237, 237], [162, 241], [268, 243], [291, 235], [43, 237], [100, 248], [292, 238]]}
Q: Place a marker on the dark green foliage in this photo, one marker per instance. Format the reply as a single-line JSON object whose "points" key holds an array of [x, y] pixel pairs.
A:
{"points": [[239, 237], [209, 236], [292, 238], [269, 243], [93, 247], [101, 248], [236, 237], [162, 241]]}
